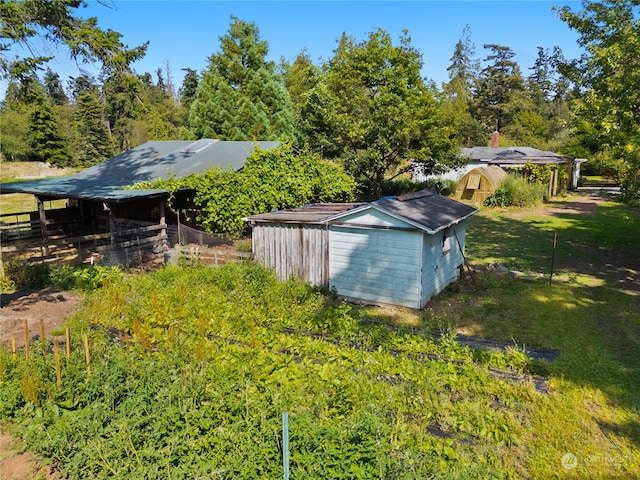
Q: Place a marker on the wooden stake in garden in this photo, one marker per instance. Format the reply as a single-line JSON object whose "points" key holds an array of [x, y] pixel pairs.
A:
{"points": [[42, 334], [13, 348], [86, 353], [26, 339], [56, 354]]}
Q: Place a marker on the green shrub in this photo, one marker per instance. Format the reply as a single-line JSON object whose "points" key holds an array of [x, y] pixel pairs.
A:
{"points": [[515, 191], [401, 186], [28, 277], [65, 277]]}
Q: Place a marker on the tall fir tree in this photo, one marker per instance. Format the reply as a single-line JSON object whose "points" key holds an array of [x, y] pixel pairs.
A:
{"points": [[91, 143], [240, 96], [457, 93], [46, 137], [499, 89]]}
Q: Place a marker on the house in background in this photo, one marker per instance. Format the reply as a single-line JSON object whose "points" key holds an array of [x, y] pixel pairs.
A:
{"points": [[103, 215], [396, 250], [509, 158]]}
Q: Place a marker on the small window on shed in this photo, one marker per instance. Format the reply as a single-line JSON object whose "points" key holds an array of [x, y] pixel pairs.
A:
{"points": [[446, 241], [473, 182]]}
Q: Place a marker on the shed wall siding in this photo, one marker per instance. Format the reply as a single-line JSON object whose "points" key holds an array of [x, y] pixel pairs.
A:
{"points": [[293, 250], [381, 266], [439, 269]]}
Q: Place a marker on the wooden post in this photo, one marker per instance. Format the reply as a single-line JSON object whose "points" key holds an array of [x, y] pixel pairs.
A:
{"points": [[13, 347], [163, 219], [112, 225], [67, 335], [56, 354], [179, 233], [43, 224], [26, 339], [42, 332], [86, 353]]}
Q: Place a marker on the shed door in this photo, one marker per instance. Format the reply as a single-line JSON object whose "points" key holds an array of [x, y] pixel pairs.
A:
{"points": [[376, 265]]}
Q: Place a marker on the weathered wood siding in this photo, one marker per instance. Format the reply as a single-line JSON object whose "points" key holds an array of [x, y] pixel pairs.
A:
{"points": [[376, 265], [300, 250], [440, 269]]}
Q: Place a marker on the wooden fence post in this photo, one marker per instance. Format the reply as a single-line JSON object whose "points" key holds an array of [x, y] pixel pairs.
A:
{"points": [[26, 339]]}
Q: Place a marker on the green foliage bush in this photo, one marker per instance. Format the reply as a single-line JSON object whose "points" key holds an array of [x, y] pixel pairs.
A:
{"points": [[66, 277], [516, 191], [273, 179], [401, 186]]}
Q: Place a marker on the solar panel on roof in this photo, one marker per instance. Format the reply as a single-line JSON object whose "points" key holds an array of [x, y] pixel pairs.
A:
{"points": [[198, 145]]}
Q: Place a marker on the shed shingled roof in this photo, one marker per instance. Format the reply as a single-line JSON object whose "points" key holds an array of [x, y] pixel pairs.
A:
{"points": [[425, 210], [150, 161]]}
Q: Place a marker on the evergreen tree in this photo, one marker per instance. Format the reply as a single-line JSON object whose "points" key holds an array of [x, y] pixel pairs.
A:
{"points": [[300, 77], [187, 92], [46, 138], [457, 94], [500, 90], [240, 96], [54, 88], [91, 143]]}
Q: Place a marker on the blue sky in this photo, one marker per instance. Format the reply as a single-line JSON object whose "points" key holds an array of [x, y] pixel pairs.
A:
{"points": [[184, 33]]}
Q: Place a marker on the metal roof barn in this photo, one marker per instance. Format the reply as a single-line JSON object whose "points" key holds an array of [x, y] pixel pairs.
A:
{"points": [[105, 218], [396, 250], [153, 160]]}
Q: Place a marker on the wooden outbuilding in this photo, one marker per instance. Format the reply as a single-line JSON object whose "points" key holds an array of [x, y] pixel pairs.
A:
{"points": [[102, 216], [397, 250], [479, 184]]}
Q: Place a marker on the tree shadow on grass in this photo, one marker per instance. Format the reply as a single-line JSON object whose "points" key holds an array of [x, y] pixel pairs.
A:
{"points": [[590, 312]]}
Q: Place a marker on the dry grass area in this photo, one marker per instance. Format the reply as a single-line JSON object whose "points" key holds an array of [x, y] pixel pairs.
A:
{"points": [[17, 171], [10, 171]]}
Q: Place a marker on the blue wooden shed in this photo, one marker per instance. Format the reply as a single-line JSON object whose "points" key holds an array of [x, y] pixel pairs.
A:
{"points": [[397, 250]]}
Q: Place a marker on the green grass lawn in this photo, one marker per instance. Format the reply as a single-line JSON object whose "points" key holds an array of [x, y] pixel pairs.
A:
{"points": [[216, 355], [590, 313]]}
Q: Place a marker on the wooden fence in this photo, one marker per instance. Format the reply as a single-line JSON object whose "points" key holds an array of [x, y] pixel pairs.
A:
{"points": [[194, 254], [133, 243]]}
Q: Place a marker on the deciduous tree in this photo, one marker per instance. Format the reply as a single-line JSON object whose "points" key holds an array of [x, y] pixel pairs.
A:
{"points": [[372, 109], [608, 74]]}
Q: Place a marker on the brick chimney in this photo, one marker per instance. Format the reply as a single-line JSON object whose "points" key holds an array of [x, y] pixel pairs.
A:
{"points": [[495, 139]]}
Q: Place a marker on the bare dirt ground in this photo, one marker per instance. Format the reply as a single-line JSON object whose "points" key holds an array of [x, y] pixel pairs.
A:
{"points": [[51, 308], [45, 308]]}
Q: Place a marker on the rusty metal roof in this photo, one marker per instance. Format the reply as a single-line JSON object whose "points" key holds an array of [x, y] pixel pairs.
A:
{"points": [[312, 213], [153, 160]]}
